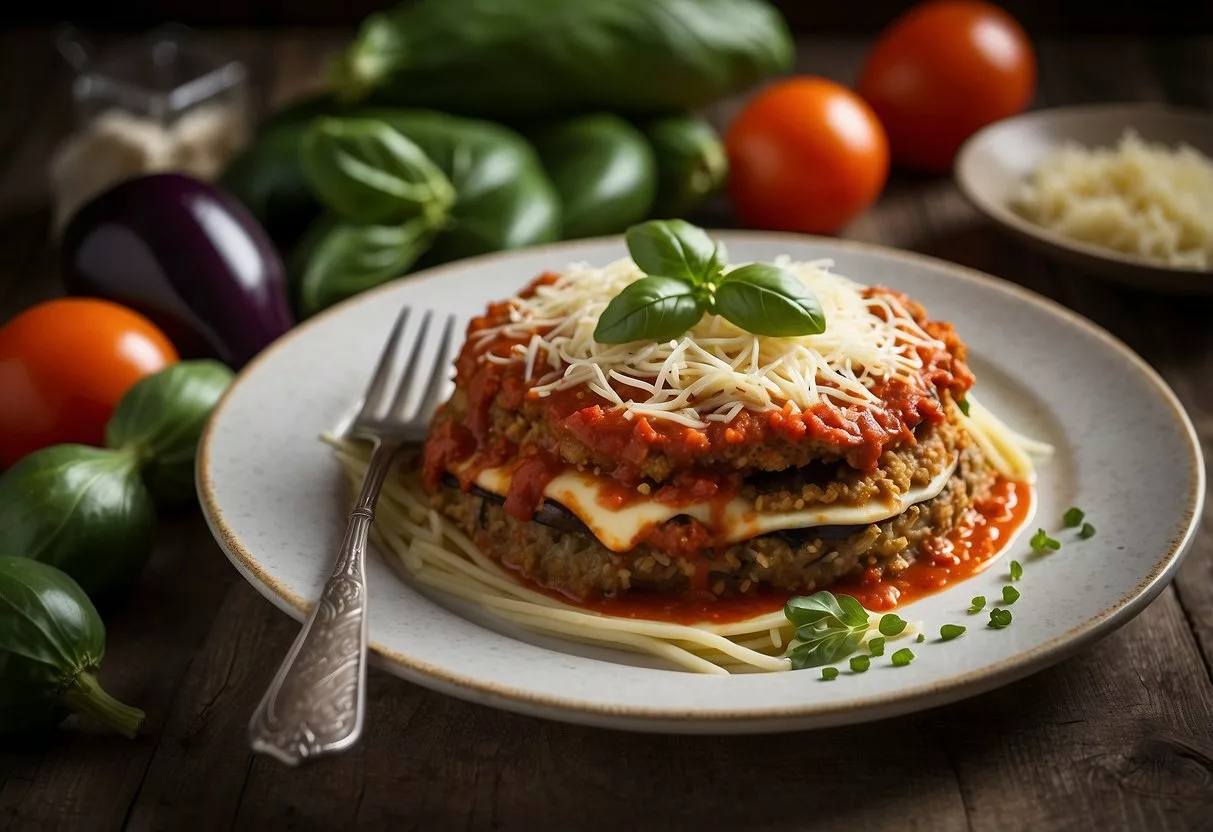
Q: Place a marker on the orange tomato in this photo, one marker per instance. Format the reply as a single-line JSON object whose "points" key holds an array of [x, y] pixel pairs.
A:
{"points": [[806, 154], [943, 70], [64, 365]]}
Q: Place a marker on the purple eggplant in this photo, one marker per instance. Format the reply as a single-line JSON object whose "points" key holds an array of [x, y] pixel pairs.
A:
{"points": [[188, 256]]}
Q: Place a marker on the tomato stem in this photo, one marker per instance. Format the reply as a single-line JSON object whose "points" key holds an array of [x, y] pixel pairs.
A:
{"points": [[86, 695]]}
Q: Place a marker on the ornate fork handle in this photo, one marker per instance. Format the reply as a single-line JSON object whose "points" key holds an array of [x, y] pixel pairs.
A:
{"points": [[316, 702]]}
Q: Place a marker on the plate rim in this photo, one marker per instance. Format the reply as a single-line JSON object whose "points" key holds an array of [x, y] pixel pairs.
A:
{"points": [[1004, 216], [647, 717]]}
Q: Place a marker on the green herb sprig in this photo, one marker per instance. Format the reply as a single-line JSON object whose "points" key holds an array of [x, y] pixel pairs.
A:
{"points": [[685, 278], [1041, 542], [999, 619], [828, 628]]}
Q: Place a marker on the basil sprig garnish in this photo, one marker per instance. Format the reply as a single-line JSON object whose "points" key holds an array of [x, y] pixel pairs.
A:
{"points": [[828, 628], [685, 279]]}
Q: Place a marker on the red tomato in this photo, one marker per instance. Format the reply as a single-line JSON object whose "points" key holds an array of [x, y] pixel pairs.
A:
{"points": [[806, 154], [943, 70], [64, 365]]}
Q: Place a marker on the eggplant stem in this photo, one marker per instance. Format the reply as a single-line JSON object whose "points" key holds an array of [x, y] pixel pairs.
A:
{"points": [[86, 696]]}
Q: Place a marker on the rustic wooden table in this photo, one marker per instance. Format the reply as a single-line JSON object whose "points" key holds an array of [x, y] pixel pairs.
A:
{"points": [[1120, 737]]}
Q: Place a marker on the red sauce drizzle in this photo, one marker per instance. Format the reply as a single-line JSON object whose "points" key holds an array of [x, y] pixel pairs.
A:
{"points": [[962, 554]]}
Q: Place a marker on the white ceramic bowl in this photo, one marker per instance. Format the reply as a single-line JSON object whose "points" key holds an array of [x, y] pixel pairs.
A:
{"points": [[995, 162]]}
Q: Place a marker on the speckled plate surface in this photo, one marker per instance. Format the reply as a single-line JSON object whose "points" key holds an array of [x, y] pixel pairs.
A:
{"points": [[1125, 452]]}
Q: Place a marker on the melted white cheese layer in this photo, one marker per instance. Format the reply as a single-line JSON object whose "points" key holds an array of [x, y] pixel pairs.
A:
{"points": [[738, 519]]}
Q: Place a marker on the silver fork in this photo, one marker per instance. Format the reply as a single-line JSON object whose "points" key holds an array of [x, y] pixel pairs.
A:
{"points": [[315, 705]]}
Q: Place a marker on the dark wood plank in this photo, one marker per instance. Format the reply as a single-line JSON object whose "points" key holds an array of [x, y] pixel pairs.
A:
{"points": [[1118, 736]]}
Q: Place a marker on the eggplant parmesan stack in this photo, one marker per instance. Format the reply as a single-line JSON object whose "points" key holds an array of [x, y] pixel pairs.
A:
{"points": [[720, 461]]}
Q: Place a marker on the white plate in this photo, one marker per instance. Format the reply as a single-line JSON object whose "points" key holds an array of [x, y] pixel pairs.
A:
{"points": [[1126, 452]]}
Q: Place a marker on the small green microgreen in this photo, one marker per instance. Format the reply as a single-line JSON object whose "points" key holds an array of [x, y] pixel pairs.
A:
{"points": [[1042, 542], [891, 625], [999, 619], [950, 631]]}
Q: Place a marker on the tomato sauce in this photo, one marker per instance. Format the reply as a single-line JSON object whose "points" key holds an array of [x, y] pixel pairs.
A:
{"points": [[967, 550], [622, 441], [964, 552]]}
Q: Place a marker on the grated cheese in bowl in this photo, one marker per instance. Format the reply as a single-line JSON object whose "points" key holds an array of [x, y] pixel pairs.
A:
{"points": [[1139, 198]]}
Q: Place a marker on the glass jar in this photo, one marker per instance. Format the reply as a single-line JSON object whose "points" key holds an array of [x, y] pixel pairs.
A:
{"points": [[164, 102]]}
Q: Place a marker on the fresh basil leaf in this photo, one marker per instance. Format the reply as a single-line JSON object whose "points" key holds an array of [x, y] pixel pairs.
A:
{"points": [[853, 613], [370, 173], [340, 259], [807, 610], [675, 248], [769, 300], [652, 308], [825, 647]]}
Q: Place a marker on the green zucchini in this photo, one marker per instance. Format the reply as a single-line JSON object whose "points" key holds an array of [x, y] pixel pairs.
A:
{"points": [[514, 59], [83, 510], [338, 259], [603, 170], [691, 163], [51, 644], [268, 178], [503, 198]]}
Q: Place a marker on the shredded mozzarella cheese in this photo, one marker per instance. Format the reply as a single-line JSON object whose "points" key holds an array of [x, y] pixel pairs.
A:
{"points": [[715, 369]]}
